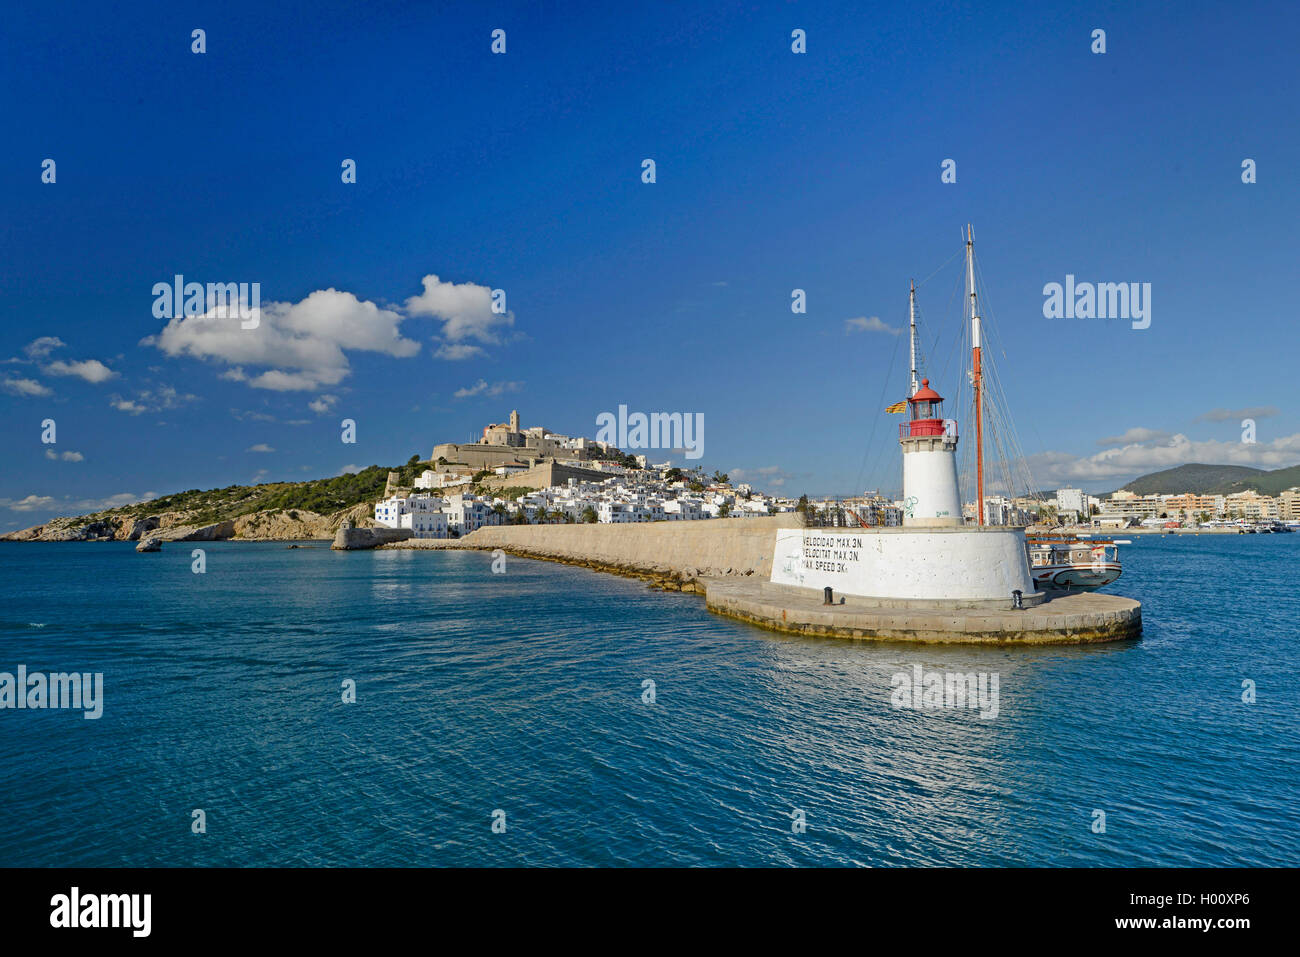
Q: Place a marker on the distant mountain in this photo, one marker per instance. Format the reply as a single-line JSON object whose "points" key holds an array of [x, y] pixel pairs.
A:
{"points": [[1215, 480]]}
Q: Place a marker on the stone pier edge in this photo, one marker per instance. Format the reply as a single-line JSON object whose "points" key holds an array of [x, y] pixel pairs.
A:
{"points": [[1030, 627]]}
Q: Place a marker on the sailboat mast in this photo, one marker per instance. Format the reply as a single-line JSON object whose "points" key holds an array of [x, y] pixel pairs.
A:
{"points": [[977, 378], [911, 314]]}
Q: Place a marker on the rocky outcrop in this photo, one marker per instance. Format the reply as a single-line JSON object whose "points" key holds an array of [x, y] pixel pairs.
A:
{"points": [[271, 525], [32, 534], [150, 544], [89, 532], [132, 528], [280, 525], [216, 532]]}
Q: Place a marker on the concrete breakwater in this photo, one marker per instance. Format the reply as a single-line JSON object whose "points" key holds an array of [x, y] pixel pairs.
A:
{"points": [[1063, 619], [673, 555], [730, 562]]}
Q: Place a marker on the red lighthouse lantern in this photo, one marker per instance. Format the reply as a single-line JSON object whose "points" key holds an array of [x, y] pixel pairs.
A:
{"points": [[926, 417]]}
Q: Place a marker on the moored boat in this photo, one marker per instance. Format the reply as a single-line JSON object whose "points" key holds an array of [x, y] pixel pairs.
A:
{"points": [[1072, 563]]}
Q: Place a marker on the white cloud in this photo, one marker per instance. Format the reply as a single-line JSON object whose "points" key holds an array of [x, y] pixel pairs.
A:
{"points": [[769, 475], [869, 324], [259, 447], [1229, 415], [65, 456], [1130, 461], [91, 370], [455, 353], [1137, 434], [465, 310], [322, 403], [43, 346], [482, 388], [31, 503], [151, 400], [305, 381], [349, 470], [302, 345], [67, 506], [27, 387]]}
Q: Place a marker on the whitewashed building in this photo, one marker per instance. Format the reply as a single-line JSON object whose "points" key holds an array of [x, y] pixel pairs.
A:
{"points": [[429, 479], [465, 513], [422, 514]]}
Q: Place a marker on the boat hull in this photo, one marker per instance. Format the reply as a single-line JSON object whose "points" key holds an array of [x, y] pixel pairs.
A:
{"points": [[1088, 577]]}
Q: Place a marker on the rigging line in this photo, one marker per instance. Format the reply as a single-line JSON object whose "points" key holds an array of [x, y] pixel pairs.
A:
{"points": [[952, 349], [943, 266], [1014, 446], [875, 419]]}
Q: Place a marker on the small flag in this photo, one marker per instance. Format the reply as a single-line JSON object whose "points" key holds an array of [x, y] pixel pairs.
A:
{"points": [[897, 407]]}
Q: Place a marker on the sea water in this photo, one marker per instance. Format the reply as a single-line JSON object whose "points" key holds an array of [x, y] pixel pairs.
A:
{"points": [[550, 715]]}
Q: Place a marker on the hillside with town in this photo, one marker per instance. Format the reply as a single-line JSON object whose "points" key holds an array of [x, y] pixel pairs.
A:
{"points": [[516, 475]]}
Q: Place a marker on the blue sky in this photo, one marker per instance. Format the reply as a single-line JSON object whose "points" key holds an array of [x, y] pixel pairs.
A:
{"points": [[522, 172]]}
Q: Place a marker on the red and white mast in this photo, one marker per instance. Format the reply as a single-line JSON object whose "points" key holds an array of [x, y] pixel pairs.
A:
{"points": [[911, 317], [977, 373]]}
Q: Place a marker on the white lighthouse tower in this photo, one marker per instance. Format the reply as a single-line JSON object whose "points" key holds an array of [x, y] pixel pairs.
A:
{"points": [[929, 444]]}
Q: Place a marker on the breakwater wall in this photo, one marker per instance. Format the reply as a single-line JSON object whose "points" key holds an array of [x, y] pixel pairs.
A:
{"points": [[349, 539], [730, 561], [665, 552]]}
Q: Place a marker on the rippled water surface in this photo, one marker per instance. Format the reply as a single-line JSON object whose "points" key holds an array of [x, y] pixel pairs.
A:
{"points": [[523, 692]]}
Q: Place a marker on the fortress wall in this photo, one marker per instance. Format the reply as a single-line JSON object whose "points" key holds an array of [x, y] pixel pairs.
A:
{"points": [[545, 476], [348, 539]]}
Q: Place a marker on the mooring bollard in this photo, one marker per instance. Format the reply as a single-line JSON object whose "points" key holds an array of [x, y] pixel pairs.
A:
{"points": [[1016, 599], [830, 599]]}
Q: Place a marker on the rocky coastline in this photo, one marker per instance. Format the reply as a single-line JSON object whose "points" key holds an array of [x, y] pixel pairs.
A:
{"points": [[272, 525]]}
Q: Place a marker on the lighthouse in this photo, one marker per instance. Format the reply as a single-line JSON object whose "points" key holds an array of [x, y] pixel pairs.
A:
{"points": [[929, 442]]}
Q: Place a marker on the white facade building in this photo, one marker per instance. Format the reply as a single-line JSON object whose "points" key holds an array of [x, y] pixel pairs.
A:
{"points": [[429, 479], [422, 514], [465, 513]]}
